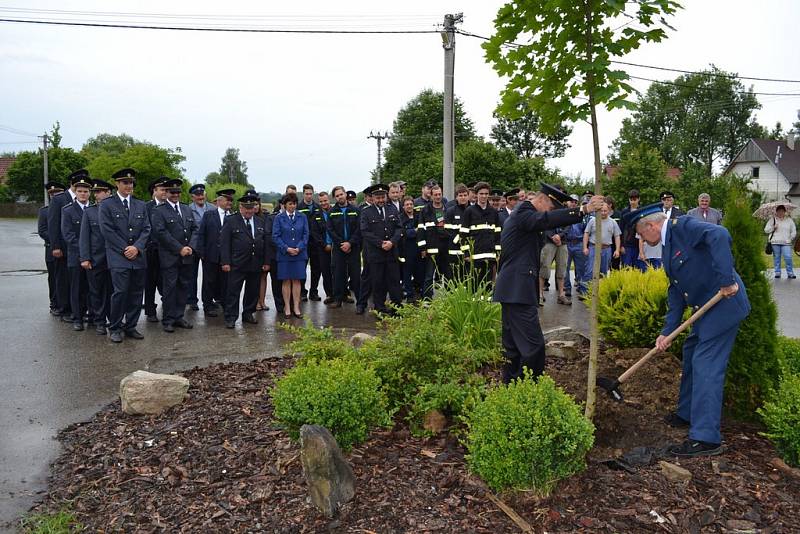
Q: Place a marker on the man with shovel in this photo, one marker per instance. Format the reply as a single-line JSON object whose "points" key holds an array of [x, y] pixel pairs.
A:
{"points": [[698, 261]]}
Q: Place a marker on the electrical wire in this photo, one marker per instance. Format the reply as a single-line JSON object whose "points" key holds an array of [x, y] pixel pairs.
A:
{"points": [[17, 131], [700, 87]]}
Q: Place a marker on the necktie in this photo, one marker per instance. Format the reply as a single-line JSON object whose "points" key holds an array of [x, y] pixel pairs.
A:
{"points": [[705, 214], [291, 217], [249, 227], [380, 211], [177, 209], [125, 204]]}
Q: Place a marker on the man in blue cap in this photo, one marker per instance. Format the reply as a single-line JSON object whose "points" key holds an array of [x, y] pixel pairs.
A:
{"points": [[93, 258], [152, 280], [208, 245], [698, 261], [516, 286], [57, 244], [199, 207], [71, 217]]}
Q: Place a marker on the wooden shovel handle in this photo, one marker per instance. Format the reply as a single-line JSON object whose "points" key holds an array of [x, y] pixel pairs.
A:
{"points": [[670, 338]]}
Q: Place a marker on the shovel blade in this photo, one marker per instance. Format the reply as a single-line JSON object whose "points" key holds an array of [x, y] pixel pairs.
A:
{"points": [[611, 385]]}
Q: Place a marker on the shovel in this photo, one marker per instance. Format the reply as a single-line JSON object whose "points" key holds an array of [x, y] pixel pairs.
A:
{"points": [[611, 385]]}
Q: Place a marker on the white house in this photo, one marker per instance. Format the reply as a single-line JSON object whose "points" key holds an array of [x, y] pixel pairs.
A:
{"points": [[757, 159]]}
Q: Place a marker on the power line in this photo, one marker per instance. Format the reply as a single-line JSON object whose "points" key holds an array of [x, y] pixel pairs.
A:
{"points": [[17, 131], [699, 87], [211, 29]]}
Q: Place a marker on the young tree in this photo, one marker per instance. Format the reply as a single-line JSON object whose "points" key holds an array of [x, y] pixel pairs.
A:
{"points": [[523, 136], [562, 71], [642, 169], [233, 169]]}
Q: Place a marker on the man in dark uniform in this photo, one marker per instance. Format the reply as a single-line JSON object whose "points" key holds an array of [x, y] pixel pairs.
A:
{"points": [[125, 226], [199, 207], [512, 197], [698, 262], [309, 208], [433, 242], [480, 227], [52, 188], [516, 285], [319, 229], [345, 233], [365, 281], [71, 217], [245, 251], [452, 223], [380, 232], [93, 258], [214, 279], [152, 279], [668, 205], [176, 233], [58, 247]]}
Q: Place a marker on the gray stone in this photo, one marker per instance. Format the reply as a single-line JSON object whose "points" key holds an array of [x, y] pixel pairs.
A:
{"points": [[675, 473], [329, 477], [567, 350], [150, 393], [565, 333], [359, 339]]}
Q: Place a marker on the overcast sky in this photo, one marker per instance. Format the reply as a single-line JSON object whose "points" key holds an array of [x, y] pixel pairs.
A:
{"points": [[300, 107]]}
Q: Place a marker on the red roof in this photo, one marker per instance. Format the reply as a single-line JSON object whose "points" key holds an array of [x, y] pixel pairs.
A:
{"points": [[673, 173], [5, 163]]}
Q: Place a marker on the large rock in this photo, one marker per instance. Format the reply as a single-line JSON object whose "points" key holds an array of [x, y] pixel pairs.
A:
{"points": [[359, 339], [567, 350], [329, 477], [565, 333], [675, 473], [150, 393]]}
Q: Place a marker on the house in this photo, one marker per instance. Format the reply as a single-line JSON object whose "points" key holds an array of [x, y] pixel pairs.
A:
{"points": [[5, 163], [673, 173], [757, 159]]}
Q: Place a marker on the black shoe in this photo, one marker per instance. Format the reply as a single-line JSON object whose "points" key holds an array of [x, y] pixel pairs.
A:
{"points": [[328, 300], [152, 318], [791, 277], [78, 327], [691, 448], [248, 318], [335, 304], [194, 307], [315, 298], [169, 328], [360, 310], [56, 312], [116, 336], [67, 318], [304, 298], [183, 323], [135, 334], [230, 324], [676, 421]]}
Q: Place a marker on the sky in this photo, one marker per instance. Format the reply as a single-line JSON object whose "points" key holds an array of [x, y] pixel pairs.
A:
{"points": [[300, 107]]}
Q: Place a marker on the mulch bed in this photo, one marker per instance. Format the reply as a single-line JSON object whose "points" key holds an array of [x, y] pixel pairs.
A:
{"points": [[218, 463]]}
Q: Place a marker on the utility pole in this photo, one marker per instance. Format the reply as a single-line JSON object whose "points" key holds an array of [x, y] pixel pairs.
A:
{"points": [[379, 137], [449, 45], [45, 178]]}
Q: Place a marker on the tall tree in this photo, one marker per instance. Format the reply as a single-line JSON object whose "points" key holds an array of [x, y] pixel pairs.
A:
{"points": [[109, 144], [232, 169], [697, 118], [562, 71], [417, 133], [523, 136], [642, 169]]}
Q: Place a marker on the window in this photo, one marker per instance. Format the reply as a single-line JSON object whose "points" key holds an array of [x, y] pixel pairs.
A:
{"points": [[754, 171]]}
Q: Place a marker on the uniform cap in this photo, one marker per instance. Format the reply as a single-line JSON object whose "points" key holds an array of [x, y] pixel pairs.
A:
{"points": [[430, 183], [632, 217], [172, 184], [101, 185], [81, 182], [556, 195], [227, 193], [379, 188], [80, 174], [351, 194], [196, 189], [249, 200], [512, 193], [54, 186], [495, 193], [666, 194], [125, 174]]}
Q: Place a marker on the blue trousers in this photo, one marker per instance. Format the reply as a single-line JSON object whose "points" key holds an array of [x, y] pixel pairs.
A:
{"points": [[631, 255], [605, 262], [575, 257], [785, 252], [702, 383]]}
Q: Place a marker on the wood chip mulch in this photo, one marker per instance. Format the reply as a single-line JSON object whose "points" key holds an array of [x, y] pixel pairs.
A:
{"points": [[218, 463]]}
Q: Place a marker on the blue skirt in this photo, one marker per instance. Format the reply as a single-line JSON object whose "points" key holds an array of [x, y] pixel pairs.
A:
{"points": [[291, 270]]}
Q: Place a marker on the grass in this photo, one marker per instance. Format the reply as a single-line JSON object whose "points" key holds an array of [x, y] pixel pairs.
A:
{"points": [[61, 522]]}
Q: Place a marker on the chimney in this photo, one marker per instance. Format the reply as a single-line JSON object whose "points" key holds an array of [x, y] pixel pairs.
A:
{"points": [[791, 139]]}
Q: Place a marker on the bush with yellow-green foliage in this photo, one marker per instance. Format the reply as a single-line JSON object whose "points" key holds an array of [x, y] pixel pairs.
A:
{"points": [[632, 308], [781, 415]]}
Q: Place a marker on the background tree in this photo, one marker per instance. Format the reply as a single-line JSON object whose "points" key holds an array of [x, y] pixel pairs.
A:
{"points": [[232, 169], [563, 71], [642, 169], [524, 138], [108, 144], [214, 177], [417, 134], [701, 118], [25, 176]]}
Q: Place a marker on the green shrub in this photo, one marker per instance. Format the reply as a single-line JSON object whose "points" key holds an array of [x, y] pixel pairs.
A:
{"points": [[754, 368], [469, 313], [632, 307], [781, 415], [453, 398], [527, 435], [315, 344], [789, 354], [344, 396]]}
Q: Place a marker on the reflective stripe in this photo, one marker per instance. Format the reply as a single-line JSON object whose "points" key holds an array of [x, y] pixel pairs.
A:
{"points": [[432, 251], [427, 224], [402, 260], [484, 256], [353, 214], [498, 228], [420, 226], [464, 248], [452, 226], [483, 226], [335, 213], [456, 239], [464, 230], [420, 243], [497, 247], [454, 252]]}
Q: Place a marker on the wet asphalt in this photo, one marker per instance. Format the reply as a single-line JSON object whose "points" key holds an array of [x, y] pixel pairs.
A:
{"points": [[53, 377]]}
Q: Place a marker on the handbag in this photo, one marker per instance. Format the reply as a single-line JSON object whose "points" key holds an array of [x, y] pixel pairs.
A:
{"points": [[768, 247]]}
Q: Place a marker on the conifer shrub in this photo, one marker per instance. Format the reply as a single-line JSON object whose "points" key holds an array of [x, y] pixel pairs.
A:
{"points": [[789, 351], [781, 415], [342, 395], [527, 435], [754, 368]]}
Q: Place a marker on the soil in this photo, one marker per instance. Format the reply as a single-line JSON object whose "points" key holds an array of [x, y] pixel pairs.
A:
{"points": [[218, 463]]}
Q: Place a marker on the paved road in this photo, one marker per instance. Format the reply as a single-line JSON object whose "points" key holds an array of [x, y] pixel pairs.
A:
{"points": [[52, 377]]}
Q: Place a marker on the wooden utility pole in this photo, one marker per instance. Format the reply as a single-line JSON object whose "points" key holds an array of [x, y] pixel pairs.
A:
{"points": [[45, 177], [379, 137]]}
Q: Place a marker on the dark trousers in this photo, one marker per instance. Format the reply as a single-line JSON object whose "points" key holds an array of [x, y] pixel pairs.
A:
{"points": [[523, 341], [152, 281], [345, 266], [214, 284], [482, 271], [99, 294], [316, 272], [251, 282], [175, 282], [51, 283], [78, 292], [277, 286], [191, 297], [62, 284], [126, 300], [326, 272], [437, 266], [364, 291], [386, 279], [413, 275]]}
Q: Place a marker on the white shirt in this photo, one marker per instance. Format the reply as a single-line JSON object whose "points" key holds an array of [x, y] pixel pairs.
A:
{"points": [[72, 194], [222, 214], [664, 232], [173, 206], [121, 198], [252, 225], [83, 206]]}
